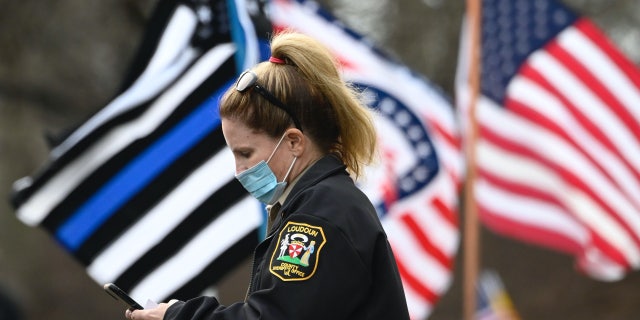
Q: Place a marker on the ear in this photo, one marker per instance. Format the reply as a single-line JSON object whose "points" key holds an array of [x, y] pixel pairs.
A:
{"points": [[296, 141]]}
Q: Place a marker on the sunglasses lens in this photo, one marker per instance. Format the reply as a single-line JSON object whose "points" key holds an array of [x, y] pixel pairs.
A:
{"points": [[246, 80]]}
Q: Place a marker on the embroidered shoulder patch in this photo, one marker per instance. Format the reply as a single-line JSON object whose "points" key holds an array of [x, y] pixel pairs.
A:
{"points": [[298, 251]]}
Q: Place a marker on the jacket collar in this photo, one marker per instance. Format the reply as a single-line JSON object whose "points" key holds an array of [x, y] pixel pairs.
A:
{"points": [[327, 166]]}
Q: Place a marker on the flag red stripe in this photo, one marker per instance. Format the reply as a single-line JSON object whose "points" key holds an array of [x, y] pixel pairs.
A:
{"points": [[415, 283], [449, 214], [525, 231], [522, 189], [609, 249], [447, 136], [454, 142], [423, 241]]}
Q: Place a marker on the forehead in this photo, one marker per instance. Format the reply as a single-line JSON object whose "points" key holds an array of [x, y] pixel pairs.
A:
{"points": [[239, 135]]}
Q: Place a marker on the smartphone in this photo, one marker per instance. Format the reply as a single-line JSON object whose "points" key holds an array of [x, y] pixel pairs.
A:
{"points": [[121, 296]]}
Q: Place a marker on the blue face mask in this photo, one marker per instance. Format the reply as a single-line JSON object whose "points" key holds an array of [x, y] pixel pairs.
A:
{"points": [[262, 183]]}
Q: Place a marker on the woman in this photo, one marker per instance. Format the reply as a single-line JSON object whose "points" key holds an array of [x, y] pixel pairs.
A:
{"points": [[298, 133]]}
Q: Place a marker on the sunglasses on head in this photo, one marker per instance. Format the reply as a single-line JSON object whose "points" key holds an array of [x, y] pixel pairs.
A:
{"points": [[249, 80]]}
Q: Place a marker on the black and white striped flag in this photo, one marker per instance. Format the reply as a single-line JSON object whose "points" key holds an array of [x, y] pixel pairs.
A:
{"points": [[146, 184]]}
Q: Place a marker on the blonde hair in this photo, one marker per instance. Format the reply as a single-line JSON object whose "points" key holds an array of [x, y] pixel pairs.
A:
{"points": [[309, 83]]}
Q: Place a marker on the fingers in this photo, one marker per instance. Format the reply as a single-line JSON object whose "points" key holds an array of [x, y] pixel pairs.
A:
{"points": [[147, 314], [135, 314]]}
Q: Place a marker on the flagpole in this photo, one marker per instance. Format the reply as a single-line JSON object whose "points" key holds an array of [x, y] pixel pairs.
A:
{"points": [[471, 224]]}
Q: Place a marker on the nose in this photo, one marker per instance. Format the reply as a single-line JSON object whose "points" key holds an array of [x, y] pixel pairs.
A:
{"points": [[240, 167]]}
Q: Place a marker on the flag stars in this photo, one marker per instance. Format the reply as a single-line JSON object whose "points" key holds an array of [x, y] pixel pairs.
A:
{"points": [[204, 14], [522, 46], [387, 106], [423, 150], [407, 184], [540, 30], [522, 6], [504, 8], [402, 118], [511, 29], [505, 37], [421, 174], [508, 68], [369, 97], [425, 163], [415, 133], [410, 125], [560, 18]]}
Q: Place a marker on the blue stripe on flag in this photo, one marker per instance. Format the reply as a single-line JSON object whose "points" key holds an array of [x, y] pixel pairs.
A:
{"points": [[237, 35], [139, 173]]}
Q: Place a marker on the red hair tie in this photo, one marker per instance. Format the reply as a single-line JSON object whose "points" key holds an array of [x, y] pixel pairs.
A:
{"points": [[276, 60]]}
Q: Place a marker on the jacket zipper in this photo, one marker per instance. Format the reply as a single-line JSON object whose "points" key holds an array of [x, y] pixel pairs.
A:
{"points": [[253, 267]]}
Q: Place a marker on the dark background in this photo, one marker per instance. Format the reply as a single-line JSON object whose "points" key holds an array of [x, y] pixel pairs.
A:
{"points": [[62, 60]]}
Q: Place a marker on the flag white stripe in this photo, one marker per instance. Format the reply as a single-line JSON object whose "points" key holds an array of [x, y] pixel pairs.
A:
{"points": [[597, 264], [599, 64], [205, 247], [169, 61], [162, 219], [414, 93], [175, 39], [592, 215], [441, 232], [38, 206], [419, 307], [418, 261]]}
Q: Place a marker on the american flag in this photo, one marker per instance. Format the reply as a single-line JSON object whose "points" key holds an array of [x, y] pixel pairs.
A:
{"points": [[558, 149], [493, 301], [416, 186]]}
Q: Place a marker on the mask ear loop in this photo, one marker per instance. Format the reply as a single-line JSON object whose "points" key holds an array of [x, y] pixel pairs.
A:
{"points": [[276, 148], [290, 167], [274, 152]]}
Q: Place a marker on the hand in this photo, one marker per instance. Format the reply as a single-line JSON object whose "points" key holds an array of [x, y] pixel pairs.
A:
{"points": [[156, 313]]}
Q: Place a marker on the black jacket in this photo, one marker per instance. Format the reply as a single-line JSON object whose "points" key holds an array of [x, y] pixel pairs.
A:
{"points": [[335, 262]]}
